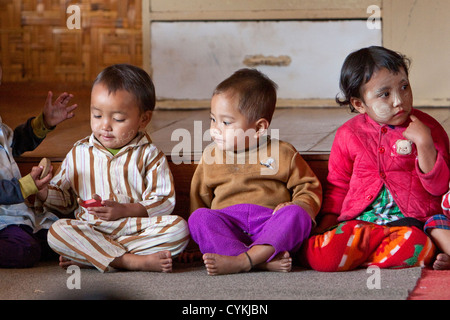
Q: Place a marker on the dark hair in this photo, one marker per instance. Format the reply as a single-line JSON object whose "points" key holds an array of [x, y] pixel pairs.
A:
{"points": [[359, 66], [132, 79], [257, 93]]}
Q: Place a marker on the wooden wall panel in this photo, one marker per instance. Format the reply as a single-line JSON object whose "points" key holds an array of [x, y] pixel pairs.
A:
{"points": [[37, 45], [259, 9]]}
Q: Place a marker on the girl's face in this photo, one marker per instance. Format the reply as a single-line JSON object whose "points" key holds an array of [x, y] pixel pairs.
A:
{"points": [[229, 128], [387, 97], [115, 118]]}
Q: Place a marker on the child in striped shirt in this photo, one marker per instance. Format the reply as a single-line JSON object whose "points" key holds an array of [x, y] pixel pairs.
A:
{"points": [[130, 226]]}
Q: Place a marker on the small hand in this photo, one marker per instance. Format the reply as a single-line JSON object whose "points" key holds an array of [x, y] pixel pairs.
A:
{"points": [[41, 184], [418, 132], [109, 211], [57, 112], [281, 205]]}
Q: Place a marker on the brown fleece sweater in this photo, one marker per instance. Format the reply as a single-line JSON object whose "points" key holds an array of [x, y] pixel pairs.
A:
{"points": [[268, 175]]}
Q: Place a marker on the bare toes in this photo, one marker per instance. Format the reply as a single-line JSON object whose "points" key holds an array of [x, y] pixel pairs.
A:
{"points": [[442, 262]]}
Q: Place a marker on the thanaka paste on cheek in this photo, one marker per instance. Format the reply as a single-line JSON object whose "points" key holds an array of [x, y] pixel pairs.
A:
{"points": [[383, 112]]}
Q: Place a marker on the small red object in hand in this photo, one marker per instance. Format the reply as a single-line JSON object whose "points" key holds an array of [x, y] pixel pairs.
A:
{"points": [[91, 203]]}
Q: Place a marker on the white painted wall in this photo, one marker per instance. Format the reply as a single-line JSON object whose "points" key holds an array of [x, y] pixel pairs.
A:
{"points": [[190, 58]]}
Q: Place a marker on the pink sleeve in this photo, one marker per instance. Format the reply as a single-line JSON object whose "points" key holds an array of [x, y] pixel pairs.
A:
{"points": [[340, 168]]}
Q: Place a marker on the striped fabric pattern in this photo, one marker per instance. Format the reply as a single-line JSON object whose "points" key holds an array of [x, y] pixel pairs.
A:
{"points": [[382, 210], [98, 245], [138, 173]]}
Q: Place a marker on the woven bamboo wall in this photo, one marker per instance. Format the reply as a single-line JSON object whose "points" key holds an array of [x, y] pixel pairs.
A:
{"points": [[37, 45]]}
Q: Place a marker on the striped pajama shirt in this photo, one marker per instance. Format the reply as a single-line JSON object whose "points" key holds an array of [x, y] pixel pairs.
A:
{"points": [[139, 172]]}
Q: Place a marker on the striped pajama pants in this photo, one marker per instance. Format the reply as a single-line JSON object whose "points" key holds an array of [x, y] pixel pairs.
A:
{"points": [[97, 242]]}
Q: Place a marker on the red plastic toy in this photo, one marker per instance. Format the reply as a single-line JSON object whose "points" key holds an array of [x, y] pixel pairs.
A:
{"points": [[91, 203]]}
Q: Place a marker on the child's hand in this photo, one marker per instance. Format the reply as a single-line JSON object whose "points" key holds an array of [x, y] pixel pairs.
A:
{"points": [[41, 183], [55, 113], [109, 211], [113, 210], [281, 205], [418, 132]]}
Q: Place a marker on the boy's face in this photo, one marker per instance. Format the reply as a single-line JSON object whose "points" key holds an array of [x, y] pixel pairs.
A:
{"points": [[115, 118], [229, 127], [387, 97]]}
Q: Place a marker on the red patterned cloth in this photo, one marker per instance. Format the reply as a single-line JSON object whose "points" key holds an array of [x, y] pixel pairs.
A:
{"points": [[353, 244]]}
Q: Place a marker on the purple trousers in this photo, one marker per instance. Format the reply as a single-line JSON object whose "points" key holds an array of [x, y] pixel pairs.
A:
{"points": [[234, 230], [20, 248]]}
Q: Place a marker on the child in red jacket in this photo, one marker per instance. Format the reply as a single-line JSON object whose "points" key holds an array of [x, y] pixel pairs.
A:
{"points": [[388, 170]]}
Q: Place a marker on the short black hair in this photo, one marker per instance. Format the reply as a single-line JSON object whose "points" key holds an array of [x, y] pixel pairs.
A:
{"points": [[257, 93], [359, 66], [132, 79]]}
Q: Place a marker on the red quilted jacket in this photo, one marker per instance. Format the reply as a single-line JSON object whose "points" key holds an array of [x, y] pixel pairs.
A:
{"points": [[364, 157]]}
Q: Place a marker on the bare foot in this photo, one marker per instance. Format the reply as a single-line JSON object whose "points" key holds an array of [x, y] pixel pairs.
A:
{"points": [[159, 262], [162, 261], [282, 262], [218, 264], [442, 262]]}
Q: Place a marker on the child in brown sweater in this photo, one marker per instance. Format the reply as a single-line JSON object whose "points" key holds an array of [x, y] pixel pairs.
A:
{"points": [[253, 198]]}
